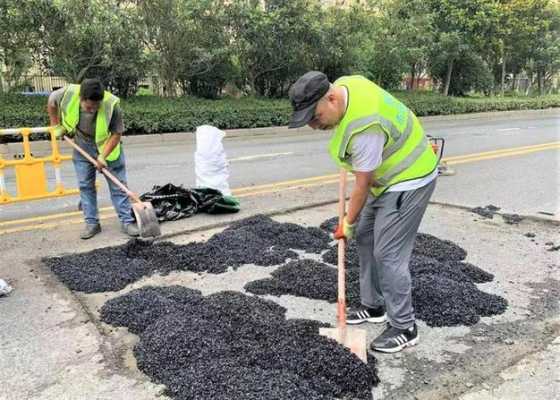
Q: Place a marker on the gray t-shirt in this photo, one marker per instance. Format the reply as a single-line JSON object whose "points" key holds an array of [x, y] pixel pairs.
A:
{"points": [[86, 124]]}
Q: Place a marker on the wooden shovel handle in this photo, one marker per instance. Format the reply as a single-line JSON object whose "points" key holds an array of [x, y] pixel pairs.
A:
{"points": [[105, 171], [341, 252]]}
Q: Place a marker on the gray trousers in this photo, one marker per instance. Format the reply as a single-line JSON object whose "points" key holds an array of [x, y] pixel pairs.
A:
{"points": [[385, 237]]}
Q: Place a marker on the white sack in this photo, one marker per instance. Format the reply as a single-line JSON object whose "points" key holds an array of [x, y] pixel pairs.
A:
{"points": [[211, 166]]}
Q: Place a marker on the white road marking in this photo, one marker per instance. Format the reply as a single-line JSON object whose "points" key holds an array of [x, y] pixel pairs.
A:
{"points": [[509, 129], [258, 156]]}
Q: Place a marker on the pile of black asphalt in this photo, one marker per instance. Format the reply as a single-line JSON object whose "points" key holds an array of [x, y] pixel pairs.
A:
{"points": [[229, 346], [487, 211], [512, 219], [490, 210], [256, 240], [444, 290]]}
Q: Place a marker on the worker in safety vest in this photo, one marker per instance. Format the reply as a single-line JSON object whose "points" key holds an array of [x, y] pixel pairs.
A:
{"points": [[382, 142], [94, 117]]}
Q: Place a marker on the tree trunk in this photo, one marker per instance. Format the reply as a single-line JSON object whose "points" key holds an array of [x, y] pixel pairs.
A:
{"points": [[252, 85], [529, 83], [548, 81], [540, 81], [448, 77], [503, 82], [412, 77], [514, 83], [169, 88]]}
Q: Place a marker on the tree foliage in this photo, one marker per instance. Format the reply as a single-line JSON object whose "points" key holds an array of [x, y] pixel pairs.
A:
{"points": [[15, 35], [80, 39], [198, 47], [190, 44]]}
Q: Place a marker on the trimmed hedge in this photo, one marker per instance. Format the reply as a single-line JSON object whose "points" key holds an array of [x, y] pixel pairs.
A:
{"points": [[427, 103], [150, 114]]}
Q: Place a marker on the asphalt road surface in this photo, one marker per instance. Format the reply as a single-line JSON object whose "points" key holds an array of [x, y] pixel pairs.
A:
{"points": [[52, 345], [511, 160]]}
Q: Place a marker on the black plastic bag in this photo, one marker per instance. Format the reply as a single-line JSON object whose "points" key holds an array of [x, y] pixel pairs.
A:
{"points": [[172, 202]]}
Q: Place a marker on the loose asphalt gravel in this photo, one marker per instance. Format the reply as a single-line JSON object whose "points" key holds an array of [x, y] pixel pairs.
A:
{"points": [[443, 286], [229, 345], [490, 210], [257, 240]]}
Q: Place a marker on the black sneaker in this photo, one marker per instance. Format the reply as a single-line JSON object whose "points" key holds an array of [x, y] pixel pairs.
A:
{"points": [[395, 339], [366, 314]]}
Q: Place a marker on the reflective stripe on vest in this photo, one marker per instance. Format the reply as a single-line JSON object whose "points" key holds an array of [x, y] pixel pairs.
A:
{"points": [[398, 138], [404, 164], [70, 116], [406, 154]]}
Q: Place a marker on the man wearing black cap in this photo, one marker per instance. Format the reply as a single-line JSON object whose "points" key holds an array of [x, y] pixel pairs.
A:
{"points": [[382, 142]]}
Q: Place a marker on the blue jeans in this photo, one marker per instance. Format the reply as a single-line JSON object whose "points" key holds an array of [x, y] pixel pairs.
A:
{"points": [[86, 172]]}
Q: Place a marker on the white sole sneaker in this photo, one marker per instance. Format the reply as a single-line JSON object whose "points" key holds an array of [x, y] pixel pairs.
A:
{"points": [[411, 343], [374, 320], [5, 289]]}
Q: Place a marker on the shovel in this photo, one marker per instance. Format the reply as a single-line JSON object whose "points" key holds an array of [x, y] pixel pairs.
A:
{"points": [[353, 339], [146, 218]]}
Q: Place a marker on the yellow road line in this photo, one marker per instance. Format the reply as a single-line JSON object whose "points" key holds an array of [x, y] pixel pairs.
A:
{"points": [[475, 156], [304, 185], [240, 192], [52, 225], [237, 192], [271, 188], [112, 214], [50, 216], [501, 155]]}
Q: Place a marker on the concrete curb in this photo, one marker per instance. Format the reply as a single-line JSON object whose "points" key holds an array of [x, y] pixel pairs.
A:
{"points": [[156, 138], [530, 217], [221, 224], [288, 210], [513, 114], [285, 131]]}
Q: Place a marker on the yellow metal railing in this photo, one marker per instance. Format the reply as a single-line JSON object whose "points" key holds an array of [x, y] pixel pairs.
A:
{"points": [[30, 173]]}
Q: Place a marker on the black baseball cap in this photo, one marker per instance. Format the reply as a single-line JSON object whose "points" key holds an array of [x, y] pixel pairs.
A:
{"points": [[305, 93]]}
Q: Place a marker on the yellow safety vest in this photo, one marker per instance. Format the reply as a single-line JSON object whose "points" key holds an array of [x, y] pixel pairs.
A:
{"points": [[406, 154], [70, 116]]}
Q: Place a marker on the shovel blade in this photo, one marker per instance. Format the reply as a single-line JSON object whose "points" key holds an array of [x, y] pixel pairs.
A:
{"points": [[146, 218], [352, 339]]}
